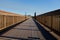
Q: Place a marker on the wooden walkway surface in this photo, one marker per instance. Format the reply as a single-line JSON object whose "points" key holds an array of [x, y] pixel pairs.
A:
{"points": [[27, 30]]}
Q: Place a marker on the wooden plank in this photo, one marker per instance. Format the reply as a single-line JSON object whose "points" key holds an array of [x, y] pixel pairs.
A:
{"points": [[25, 32]]}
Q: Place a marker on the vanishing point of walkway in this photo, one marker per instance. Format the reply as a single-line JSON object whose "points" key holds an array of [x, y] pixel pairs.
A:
{"points": [[27, 30]]}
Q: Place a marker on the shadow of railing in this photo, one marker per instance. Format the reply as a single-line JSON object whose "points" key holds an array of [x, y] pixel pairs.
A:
{"points": [[45, 33], [10, 27], [14, 37], [26, 29], [29, 38]]}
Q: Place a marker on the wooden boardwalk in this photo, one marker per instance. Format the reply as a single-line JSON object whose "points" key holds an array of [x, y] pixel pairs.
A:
{"points": [[27, 30]]}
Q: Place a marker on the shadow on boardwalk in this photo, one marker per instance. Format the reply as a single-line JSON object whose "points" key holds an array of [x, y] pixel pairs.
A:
{"points": [[45, 33], [9, 28]]}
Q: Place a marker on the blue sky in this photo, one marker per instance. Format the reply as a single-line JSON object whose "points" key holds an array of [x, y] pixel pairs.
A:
{"points": [[29, 6]]}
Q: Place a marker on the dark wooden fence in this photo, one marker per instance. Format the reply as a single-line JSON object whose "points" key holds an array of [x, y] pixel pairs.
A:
{"points": [[51, 20]]}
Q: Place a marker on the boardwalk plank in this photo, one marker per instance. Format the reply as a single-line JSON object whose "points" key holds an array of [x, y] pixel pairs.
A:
{"points": [[25, 30]]}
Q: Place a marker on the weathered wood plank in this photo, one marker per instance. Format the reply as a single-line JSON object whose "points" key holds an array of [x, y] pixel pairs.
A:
{"points": [[25, 30]]}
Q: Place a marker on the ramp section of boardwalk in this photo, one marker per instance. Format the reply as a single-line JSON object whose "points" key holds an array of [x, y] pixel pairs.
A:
{"points": [[27, 30]]}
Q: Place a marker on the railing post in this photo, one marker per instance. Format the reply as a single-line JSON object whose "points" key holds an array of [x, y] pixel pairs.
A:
{"points": [[51, 21]]}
